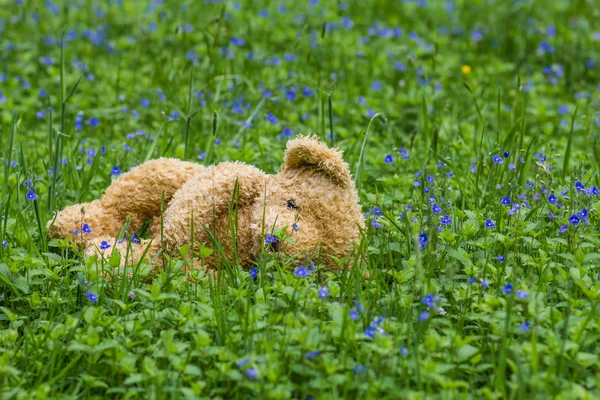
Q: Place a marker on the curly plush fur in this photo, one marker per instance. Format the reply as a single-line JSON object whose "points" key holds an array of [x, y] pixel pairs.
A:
{"points": [[233, 204]]}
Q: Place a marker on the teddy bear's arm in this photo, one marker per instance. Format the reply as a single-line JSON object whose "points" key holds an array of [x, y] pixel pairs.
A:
{"points": [[207, 196]]}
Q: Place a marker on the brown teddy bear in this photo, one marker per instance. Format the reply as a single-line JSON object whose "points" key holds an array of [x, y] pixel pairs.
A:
{"points": [[233, 205]]}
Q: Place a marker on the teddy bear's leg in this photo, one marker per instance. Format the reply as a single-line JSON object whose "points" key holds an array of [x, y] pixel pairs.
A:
{"points": [[205, 200], [84, 222], [136, 195]]}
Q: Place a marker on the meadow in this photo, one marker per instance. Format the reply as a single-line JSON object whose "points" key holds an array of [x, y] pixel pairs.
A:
{"points": [[471, 129]]}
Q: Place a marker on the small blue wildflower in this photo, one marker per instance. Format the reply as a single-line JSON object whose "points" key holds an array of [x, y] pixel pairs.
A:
{"points": [[31, 196], [497, 159], [376, 224], [563, 228], [92, 297], [489, 223], [370, 331], [424, 316], [242, 362], [145, 102], [522, 295], [115, 171], [484, 284], [473, 168], [359, 306], [254, 273], [428, 301], [86, 228], [471, 280], [388, 159], [376, 85], [506, 154], [436, 209], [501, 258], [574, 219], [563, 110], [28, 183], [446, 220], [301, 272], [312, 354], [104, 245], [272, 119], [359, 368], [423, 240], [583, 213], [404, 153], [354, 315], [525, 326], [507, 289], [403, 351], [579, 186], [270, 239], [252, 373], [430, 178], [505, 201], [552, 199], [323, 292]]}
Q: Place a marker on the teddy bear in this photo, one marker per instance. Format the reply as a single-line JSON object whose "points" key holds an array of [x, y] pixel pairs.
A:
{"points": [[309, 211]]}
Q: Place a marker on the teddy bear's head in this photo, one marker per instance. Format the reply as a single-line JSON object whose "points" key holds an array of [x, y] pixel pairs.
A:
{"points": [[314, 199]]}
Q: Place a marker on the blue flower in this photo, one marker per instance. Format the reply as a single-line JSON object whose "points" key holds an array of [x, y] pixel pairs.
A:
{"points": [[376, 224], [254, 273], [270, 239], [104, 245], [295, 227], [471, 280], [242, 362], [370, 331], [28, 183], [579, 186], [522, 295], [583, 213], [359, 306], [563, 228], [507, 289], [497, 159], [525, 326], [92, 297], [446, 220], [354, 315], [31, 196], [376, 85], [272, 119], [552, 199], [423, 240], [563, 109], [505, 201], [359, 368], [252, 373], [145, 102], [429, 301], [403, 351], [501, 258], [115, 171], [489, 223], [388, 159], [436, 209], [424, 316], [323, 292], [574, 219], [404, 153], [86, 228], [312, 354], [301, 272], [506, 154], [307, 92]]}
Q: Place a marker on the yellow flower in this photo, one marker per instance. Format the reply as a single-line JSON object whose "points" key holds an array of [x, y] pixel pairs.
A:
{"points": [[466, 69]]}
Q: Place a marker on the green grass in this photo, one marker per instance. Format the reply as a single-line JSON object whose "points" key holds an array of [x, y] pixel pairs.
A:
{"points": [[455, 87]]}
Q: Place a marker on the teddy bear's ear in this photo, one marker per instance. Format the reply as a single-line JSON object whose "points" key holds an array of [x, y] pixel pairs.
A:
{"points": [[309, 153]]}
